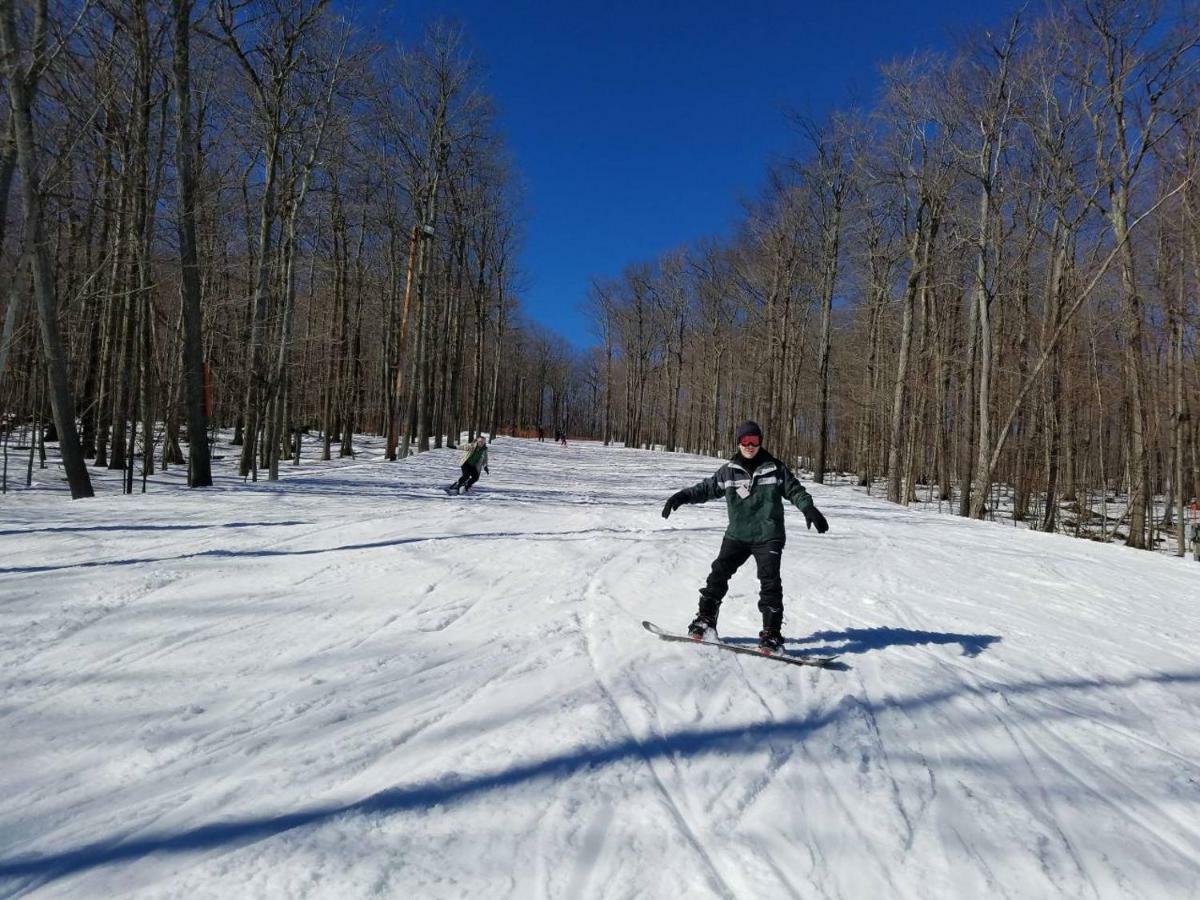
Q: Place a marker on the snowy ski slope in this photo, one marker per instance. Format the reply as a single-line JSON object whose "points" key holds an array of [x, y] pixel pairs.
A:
{"points": [[346, 684]]}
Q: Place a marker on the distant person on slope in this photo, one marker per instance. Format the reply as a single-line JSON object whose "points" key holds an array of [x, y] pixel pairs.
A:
{"points": [[754, 484], [474, 458]]}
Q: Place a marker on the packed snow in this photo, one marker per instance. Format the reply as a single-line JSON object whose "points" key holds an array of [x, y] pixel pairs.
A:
{"points": [[348, 684]]}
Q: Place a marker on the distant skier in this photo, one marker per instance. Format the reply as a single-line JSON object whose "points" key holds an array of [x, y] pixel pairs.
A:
{"points": [[754, 484], [541, 434], [474, 458]]}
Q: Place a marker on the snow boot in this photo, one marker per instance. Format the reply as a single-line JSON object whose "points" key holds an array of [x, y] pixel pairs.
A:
{"points": [[770, 641], [701, 627]]}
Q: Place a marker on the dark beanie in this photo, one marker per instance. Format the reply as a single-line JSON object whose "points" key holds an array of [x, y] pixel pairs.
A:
{"points": [[746, 428]]}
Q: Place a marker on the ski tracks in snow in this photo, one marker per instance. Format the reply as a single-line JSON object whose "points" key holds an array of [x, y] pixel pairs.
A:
{"points": [[707, 812], [378, 690]]}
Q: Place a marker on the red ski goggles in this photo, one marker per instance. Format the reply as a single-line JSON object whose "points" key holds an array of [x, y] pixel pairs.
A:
{"points": [[750, 440]]}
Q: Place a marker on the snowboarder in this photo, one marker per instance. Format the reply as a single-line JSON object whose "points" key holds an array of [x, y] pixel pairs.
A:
{"points": [[754, 484], [474, 458]]}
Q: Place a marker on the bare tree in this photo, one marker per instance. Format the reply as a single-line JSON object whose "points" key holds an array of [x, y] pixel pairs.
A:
{"points": [[265, 37], [22, 68], [1128, 75], [829, 178], [990, 109], [917, 165], [199, 468]]}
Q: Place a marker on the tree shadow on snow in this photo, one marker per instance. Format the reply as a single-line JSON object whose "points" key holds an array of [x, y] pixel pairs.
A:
{"points": [[361, 489], [72, 529], [864, 640], [632, 534], [38, 870]]}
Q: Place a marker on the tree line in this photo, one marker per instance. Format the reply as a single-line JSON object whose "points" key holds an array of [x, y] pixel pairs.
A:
{"points": [[985, 280], [249, 215]]}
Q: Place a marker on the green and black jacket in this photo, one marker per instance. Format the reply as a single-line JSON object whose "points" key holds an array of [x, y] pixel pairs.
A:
{"points": [[754, 498], [475, 456]]}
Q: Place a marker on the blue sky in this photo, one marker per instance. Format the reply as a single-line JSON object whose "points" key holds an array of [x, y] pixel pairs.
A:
{"points": [[638, 127]]}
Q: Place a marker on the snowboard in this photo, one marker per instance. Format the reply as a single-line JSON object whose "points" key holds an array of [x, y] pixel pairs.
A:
{"points": [[816, 661]]}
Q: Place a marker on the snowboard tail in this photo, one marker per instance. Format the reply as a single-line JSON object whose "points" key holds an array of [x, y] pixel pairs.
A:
{"points": [[819, 662]]}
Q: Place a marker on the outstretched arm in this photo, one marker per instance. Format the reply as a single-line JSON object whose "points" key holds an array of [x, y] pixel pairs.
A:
{"points": [[794, 491], [700, 492], [703, 491]]}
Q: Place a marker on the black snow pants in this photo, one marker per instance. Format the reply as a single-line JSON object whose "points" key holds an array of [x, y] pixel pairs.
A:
{"points": [[770, 596], [470, 475]]}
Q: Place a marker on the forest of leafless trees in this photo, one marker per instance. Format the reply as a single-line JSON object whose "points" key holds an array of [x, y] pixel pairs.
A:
{"points": [[985, 282], [242, 214], [246, 217]]}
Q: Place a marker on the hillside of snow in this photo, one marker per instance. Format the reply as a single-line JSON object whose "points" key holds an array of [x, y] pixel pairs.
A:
{"points": [[347, 684]]}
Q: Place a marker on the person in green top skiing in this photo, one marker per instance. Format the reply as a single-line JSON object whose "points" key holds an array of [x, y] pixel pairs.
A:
{"points": [[754, 485], [474, 459]]}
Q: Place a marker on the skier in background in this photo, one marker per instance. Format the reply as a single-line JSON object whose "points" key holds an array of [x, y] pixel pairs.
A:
{"points": [[754, 484], [474, 458]]}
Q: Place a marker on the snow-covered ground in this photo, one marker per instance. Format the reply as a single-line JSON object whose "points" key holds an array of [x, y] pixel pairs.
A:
{"points": [[347, 684]]}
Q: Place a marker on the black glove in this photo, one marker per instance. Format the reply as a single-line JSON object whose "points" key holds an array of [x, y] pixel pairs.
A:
{"points": [[486, 469], [673, 503], [813, 516]]}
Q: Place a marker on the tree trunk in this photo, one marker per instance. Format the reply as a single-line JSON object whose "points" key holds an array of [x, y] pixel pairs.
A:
{"points": [[20, 94], [830, 244], [493, 416], [900, 388], [199, 466], [256, 374]]}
